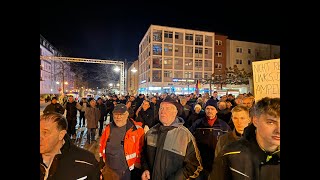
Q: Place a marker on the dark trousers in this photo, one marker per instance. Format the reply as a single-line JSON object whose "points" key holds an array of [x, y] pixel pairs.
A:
{"points": [[81, 117], [91, 134], [72, 121], [109, 111]]}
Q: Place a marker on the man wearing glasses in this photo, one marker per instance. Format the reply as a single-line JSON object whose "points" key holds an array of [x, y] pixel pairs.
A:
{"points": [[120, 145]]}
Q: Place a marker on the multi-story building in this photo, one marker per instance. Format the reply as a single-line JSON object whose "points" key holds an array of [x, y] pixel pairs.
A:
{"points": [[133, 78], [243, 53], [220, 59], [171, 59], [55, 76]]}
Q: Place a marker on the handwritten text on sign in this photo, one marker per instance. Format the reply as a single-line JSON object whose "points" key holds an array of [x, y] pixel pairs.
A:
{"points": [[266, 78]]}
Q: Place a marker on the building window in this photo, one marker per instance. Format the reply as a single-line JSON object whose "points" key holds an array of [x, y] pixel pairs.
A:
{"points": [[189, 37], [198, 63], [157, 35], [168, 48], [217, 65], [157, 62], [207, 63], [218, 54], [178, 74], [189, 51], [218, 42], [198, 75], [249, 62], [157, 49], [238, 61], [207, 75], [167, 73], [198, 52], [156, 76], [178, 63], [239, 50], [187, 74], [188, 65], [199, 40], [168, 34], [176, 35], [249, 51]]}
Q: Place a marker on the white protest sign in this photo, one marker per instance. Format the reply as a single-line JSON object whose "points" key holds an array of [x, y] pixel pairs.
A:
{"points": [[266, 78]]}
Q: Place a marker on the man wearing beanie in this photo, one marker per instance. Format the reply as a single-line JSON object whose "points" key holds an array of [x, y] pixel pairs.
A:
{"points": [[170, 151], [207, 130]]}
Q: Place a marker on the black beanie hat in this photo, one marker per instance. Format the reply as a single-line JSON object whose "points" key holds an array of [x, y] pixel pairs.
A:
{"points": [[175, 103]]}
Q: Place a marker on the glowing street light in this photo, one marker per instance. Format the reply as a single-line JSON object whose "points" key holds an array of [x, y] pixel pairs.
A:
{"points": [[117, 69], [134, 70]]}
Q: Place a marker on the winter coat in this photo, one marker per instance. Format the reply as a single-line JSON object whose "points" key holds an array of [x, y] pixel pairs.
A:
{"points": [[54, 108], [133, 143], [244, 159], [72, 163], [171, 153], [92, 114], [207, 138]]}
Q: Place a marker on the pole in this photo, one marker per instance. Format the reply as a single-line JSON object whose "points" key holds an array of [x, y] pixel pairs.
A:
{"points": [[62, 77], [125, 77]]}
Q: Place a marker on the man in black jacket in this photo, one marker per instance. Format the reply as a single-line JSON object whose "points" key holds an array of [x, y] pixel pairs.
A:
{"points": [[54, 106], [257, 154], [59, 157]]}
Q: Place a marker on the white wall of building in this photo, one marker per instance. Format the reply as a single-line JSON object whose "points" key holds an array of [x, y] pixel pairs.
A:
{"points": [[174, 48]]}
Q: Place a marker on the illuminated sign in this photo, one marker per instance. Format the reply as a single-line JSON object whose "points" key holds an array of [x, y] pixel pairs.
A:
{"points": [[182, 80]]}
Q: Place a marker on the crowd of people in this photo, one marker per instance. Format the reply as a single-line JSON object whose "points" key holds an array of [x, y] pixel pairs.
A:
{"points": [[163, 137]]}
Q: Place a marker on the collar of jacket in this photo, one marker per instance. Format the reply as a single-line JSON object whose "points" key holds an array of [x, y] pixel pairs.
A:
{"points": [[236, 134], [130, 124], [177, 122], [263, 156]]}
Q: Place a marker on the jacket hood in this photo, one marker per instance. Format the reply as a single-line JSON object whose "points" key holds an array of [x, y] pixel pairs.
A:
{"points": [[177, 122]]}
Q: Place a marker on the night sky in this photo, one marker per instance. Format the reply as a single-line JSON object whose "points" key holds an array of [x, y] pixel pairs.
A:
{"points": [[114, 30]]}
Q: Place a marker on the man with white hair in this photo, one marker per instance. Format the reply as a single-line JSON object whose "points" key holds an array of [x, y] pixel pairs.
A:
{"points": [[170, 151]]}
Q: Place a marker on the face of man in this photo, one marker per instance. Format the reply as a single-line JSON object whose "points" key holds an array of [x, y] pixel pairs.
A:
{"points": [[154, 100], [54, 101], [70, 99], [167, 113], [211, 112], [93, 103], [183, 101], [145, 105], [247, 102], [240, 120], [197, 110], [268, 131], [50, 137], [120, 119]]}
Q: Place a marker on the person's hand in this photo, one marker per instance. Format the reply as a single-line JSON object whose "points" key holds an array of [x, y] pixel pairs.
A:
{"points": [[145, 175]]}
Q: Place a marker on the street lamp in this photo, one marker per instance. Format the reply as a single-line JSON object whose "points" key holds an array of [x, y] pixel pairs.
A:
{"points": [[117, 69], [134, 70], [65, 83]]}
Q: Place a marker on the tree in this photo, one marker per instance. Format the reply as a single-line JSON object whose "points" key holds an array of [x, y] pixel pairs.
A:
{"points": [[237, 76], [233, 75]]}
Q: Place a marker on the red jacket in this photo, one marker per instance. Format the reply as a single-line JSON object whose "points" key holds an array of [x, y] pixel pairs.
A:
{"points": [[133, 143]]}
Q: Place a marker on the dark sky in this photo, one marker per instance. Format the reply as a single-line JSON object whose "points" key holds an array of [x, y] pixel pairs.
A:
{"points": [[114, 30]]}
